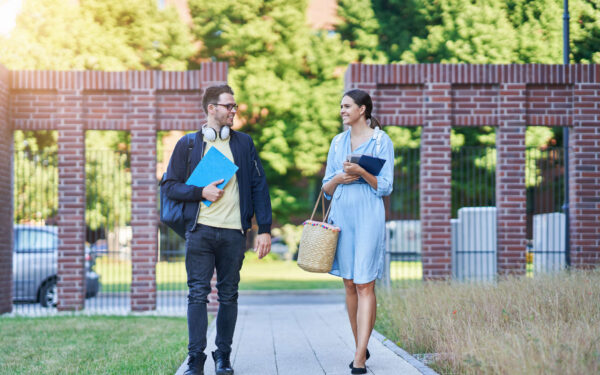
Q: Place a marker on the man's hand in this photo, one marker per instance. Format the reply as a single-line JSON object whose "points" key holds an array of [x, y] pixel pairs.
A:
{"points": [[263, 245], [212, 192]]}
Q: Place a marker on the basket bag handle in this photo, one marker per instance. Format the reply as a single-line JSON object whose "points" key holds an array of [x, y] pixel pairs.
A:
{"points": [[322, 200]]}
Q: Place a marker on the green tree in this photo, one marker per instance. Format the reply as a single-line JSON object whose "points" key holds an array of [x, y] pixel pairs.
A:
{"points": [[288, 82], [539, 30], [35, 165], [360, 27], [585, 31], [468, 33], [539, 24], [108, 179], [400, 21], [96, 35]]}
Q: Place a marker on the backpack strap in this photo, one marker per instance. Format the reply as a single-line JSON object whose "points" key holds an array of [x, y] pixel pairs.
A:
{"points": [[337, 140], [377, 136], [191, 141]]}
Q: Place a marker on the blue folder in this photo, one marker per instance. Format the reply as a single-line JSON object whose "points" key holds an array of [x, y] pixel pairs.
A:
{"points": [[213, 167], [371, 164]]}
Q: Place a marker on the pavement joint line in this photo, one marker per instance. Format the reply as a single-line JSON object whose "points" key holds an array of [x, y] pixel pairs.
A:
{"points": [[418, 365], [292, 291], [209, 331]]}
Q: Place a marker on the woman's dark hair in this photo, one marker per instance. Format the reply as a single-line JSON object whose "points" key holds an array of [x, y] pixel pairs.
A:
{"points": [[361, 98]]}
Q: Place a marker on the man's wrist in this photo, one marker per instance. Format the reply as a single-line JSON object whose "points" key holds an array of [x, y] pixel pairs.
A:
{"points": [[264, 228], [198, 193]]}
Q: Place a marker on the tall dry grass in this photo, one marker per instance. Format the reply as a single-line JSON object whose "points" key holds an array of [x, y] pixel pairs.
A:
{"points": [[549, 324]]}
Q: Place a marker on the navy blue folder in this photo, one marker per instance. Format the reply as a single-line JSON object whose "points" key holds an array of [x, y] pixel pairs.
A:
{"points": [[371, 164]]}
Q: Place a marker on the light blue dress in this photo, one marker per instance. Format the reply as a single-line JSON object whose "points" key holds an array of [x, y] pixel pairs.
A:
{"points": [[358, 209]]}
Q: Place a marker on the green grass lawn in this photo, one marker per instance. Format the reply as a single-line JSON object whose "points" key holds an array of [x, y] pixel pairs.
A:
{"points": [[272, 274], [92, 345], [264, 274]]}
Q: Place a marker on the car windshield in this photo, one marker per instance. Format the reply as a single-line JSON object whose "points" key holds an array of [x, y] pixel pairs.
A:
{"points": [[32, 240]]}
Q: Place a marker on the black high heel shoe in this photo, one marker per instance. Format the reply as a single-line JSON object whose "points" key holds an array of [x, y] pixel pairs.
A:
{"points": [[352, 364], [359, 370]]}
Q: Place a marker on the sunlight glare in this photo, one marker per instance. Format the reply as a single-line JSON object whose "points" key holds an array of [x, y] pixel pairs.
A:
{"points": [[8, 14]]}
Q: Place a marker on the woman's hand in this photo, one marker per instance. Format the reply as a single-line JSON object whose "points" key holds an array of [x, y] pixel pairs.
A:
{"points": [[353, 169], [345, 178], [340, 179]]}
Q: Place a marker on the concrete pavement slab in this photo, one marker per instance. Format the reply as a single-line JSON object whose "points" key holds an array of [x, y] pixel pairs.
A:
{"points": [[308, 338]]}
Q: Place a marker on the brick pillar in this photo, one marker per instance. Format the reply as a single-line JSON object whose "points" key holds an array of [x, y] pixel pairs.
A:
{"points": [[71, 200], [510, 179], [584, 177], [6, 196], [435, 182], [144, 223]]}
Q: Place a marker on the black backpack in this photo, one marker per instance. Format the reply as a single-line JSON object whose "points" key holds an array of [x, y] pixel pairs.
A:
{"points": [[171, 211]]}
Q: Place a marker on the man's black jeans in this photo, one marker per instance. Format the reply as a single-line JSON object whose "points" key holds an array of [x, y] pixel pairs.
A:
{"points": [[208, 248]]}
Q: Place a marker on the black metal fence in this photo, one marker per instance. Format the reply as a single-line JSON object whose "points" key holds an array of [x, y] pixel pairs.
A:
{"points": [[473, 223], [108, 234], [171, 279], [35, 242], [170, 272], [403, 228], [546, 223]]}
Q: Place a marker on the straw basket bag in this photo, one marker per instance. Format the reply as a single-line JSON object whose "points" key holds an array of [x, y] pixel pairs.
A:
{"points": [[318, 242]]}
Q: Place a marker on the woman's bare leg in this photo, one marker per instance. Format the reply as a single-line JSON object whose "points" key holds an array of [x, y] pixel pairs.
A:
{"points": [[365, 320], [351, 304]]}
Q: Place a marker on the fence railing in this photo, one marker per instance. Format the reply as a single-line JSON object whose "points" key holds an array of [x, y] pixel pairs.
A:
{"points": [[473, 223], [108, 234], [35, 240], [108, 214], [403, 229], [546, 224]]}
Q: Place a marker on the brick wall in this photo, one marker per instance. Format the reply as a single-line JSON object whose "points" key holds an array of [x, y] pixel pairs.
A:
{"points": [[6, 195], [139, 102], [509, 97], [584, 179], [510, 178]]}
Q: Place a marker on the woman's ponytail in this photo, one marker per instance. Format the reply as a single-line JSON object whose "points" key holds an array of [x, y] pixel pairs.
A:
{"points": [[373, 122]]}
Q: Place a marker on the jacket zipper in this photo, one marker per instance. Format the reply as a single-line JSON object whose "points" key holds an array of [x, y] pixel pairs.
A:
{"points": [[256, 166]]}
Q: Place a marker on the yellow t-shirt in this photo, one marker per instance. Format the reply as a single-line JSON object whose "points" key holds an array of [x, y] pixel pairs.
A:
{"points": [[224, 213]]}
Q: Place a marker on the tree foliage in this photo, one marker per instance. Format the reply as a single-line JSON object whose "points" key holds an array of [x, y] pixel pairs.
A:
{"points": [[359, 26], [287, 77], [108, 179], [468, 32], [35, 165], [288, 82], [96, 35], [485, 31]]}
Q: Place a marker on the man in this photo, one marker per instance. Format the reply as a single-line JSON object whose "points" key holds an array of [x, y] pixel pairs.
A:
{"points": [[216, 235]]}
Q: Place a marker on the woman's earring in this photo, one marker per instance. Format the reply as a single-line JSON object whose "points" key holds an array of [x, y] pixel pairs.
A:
{"points": [[368, 122]]}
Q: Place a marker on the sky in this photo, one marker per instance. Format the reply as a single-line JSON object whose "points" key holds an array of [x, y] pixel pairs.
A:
{"points": [[8, 13]]}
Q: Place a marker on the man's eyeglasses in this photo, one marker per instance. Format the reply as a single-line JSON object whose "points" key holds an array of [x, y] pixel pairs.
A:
{"points": [[229, 107]]}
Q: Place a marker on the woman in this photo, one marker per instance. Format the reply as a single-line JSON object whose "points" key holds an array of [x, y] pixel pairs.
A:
{"points": [[357, 208]]}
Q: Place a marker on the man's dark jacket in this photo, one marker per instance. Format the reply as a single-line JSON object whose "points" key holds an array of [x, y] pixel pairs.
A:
{"points": [[254, 192]]}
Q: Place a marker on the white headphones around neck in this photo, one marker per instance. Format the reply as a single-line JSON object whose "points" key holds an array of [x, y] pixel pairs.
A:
{"points": [[210, 134]]}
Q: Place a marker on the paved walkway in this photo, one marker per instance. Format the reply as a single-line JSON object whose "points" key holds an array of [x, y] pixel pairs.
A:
{"points": [[275, 336]]}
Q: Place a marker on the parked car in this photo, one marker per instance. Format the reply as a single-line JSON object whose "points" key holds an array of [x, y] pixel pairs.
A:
{"points": [[278, 246], [35, 254]]}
